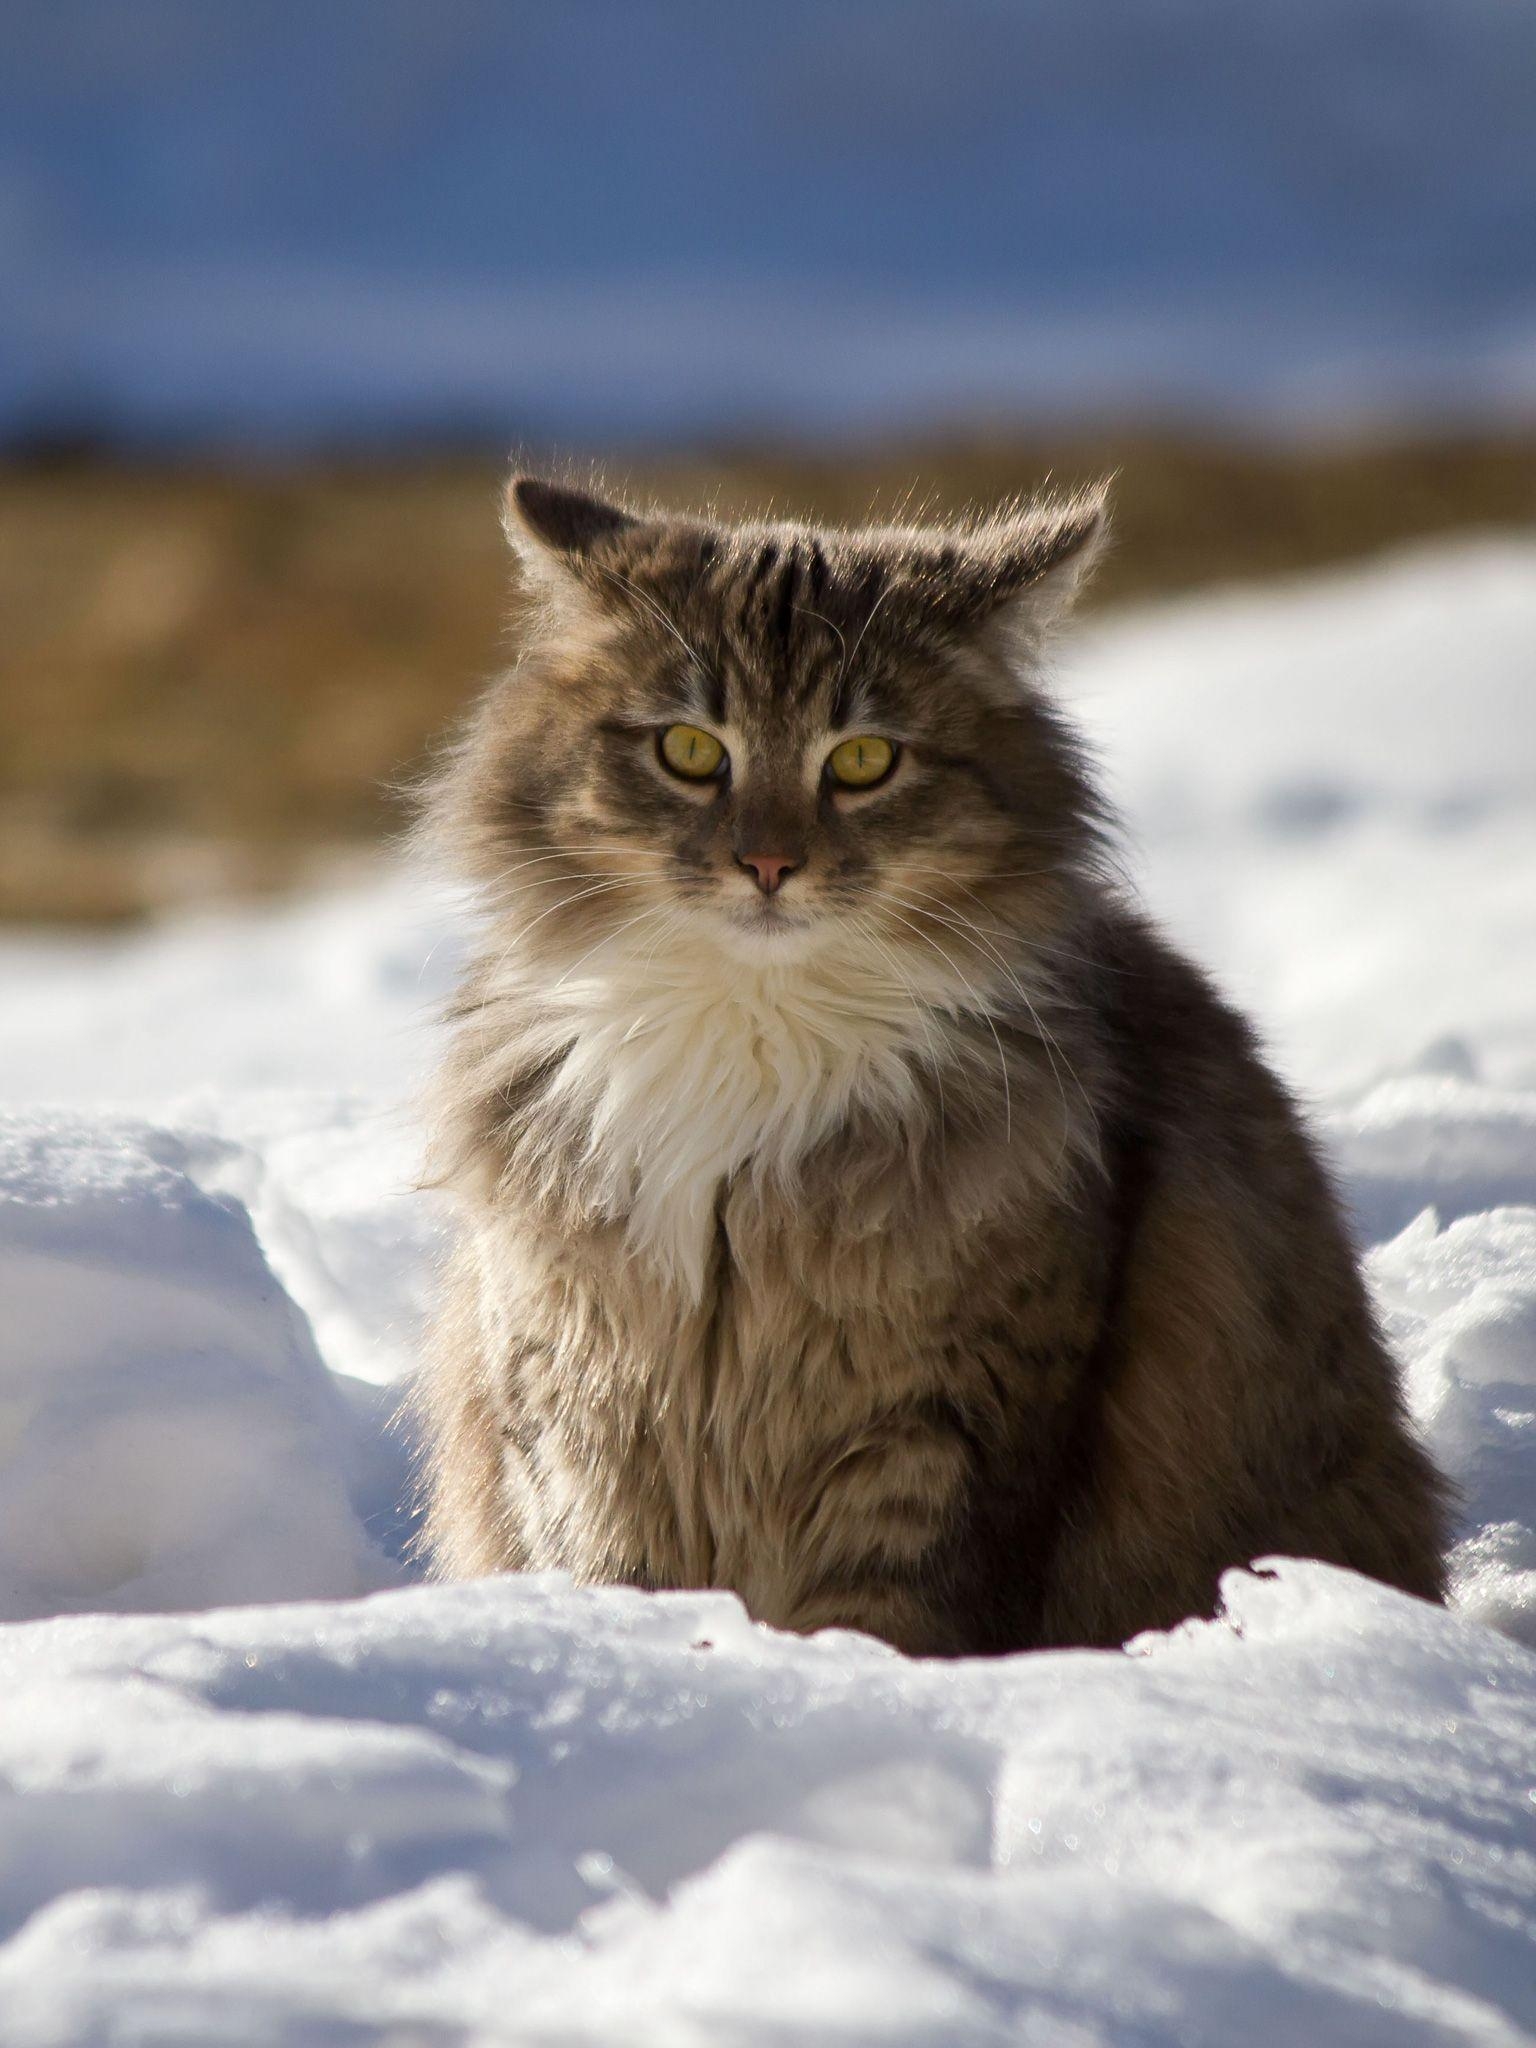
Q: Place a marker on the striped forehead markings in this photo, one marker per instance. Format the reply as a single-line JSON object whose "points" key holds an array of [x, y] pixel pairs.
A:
{"points": [[784, 608], [777, 583]]}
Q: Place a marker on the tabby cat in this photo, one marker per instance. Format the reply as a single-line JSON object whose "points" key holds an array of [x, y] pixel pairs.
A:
{"points": [[860, 1206]]}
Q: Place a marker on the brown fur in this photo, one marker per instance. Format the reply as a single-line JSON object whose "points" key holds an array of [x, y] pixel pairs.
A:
{"points": [[927, 1250]]}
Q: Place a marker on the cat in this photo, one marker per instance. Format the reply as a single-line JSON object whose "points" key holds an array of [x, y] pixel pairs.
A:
{"points": [[860, 1206]]}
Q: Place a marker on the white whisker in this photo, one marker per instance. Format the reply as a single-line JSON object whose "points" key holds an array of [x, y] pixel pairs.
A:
{"points": [[654, 910], [656, 612], [921, 1012], [981, 1009], [859, 642], [565, 903], [822, 620], [1051, 1044]]}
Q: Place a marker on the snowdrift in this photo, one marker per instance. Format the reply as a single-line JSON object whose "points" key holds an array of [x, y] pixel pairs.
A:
{"points": [[516, 1811], [170, 1436], [521, 1813]]}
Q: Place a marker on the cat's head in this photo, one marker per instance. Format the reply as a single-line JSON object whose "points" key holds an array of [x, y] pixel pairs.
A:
{"points": [[773, 741]]}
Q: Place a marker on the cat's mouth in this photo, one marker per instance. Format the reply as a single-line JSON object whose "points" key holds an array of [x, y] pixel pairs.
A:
{"points": [[767, 914], [765, 929]]}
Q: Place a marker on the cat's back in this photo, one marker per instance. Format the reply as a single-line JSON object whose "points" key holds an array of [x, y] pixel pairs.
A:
{"points": [[1241, 1365]]}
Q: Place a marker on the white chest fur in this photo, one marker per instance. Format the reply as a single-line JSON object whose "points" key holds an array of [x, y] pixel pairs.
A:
{"points": [[681, 1072]]}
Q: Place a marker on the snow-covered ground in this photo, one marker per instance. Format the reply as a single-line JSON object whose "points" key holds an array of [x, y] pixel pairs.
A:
{"points": [[517, 1812]]}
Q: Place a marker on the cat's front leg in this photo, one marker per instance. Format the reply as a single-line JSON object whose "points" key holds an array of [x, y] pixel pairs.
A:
{"points": [[911, 1610], [871, 1533]]}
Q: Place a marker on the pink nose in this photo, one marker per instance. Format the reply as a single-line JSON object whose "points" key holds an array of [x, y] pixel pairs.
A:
{"points": [[769, 868]]}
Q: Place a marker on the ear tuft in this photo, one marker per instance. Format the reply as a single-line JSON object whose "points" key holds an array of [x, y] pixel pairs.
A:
{"points": [[561, 521], [1080, 531], [1047, 557], [1065, 540]]}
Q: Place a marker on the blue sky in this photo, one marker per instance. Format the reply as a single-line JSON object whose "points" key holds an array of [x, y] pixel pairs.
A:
{"points": [[611, 219]]}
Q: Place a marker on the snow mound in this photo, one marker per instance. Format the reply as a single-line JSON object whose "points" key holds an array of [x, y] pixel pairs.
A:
{"points": [[521, 1812], [1460, 1308], [168, 1434], [1331, 791]]}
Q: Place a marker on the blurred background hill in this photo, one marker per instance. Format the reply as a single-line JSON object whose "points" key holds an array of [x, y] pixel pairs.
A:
{"points": [[284, 284]]}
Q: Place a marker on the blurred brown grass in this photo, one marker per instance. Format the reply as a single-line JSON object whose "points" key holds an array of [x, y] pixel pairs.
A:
{"points": [[210, 680]]}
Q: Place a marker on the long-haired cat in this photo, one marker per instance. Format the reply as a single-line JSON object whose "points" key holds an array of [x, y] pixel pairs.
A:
{"points": [[859, 1205]]}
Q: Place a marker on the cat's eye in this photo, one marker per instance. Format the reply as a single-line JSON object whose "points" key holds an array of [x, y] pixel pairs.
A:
{"points": [[861, 762], [693, 754]]}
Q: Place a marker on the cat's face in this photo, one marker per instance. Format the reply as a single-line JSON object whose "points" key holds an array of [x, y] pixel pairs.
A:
{"points": [[775, 743]]}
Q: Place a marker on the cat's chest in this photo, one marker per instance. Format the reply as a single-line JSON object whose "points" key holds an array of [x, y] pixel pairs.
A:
{"points": [[744, 1400], [666, 1095], [797, 1332]]}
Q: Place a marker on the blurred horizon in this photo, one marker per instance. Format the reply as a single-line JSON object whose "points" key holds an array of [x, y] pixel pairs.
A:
{"points": [[279, 229], [284, 285]]}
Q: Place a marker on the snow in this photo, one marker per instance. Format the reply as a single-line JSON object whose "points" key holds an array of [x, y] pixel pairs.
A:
{"points": [[258, 1786], [160, 1391], [522, 1813]]}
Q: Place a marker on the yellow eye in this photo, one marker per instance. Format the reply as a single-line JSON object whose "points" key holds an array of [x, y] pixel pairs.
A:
{"points": [[862, 762], [690, 753]]}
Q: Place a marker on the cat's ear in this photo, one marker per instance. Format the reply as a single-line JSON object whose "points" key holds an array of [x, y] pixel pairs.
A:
{"points": [[550, 524], [1024, 572]]}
